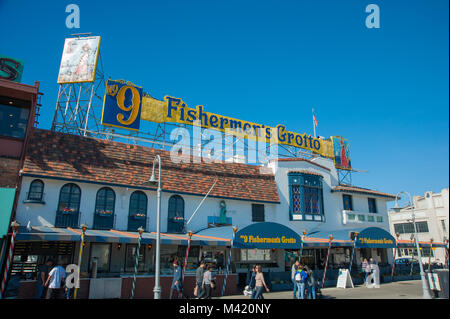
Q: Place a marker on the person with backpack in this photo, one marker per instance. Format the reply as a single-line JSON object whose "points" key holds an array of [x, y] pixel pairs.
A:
{"points": [[300, 278], [311, 281]]}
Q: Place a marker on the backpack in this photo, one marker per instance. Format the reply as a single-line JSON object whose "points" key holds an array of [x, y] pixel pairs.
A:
{"points": [[300, 276]]}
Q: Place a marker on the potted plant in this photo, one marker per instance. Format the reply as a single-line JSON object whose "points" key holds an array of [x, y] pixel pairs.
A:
{"points": [[68, 211], [105, 213], [139, 216]]}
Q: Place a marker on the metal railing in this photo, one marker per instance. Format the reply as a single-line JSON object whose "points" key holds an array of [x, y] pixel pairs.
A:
{"points": [[67, 219]]}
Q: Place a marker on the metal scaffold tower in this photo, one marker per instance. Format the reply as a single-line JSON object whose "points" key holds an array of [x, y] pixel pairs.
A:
{"points": [[344, 176], [79, 107]]}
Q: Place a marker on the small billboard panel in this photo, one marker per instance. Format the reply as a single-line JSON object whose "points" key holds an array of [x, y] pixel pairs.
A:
{"points": [[341, 153], [79, 60]]}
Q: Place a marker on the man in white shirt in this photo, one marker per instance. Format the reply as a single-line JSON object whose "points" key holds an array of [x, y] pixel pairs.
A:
{"points": [[55, 283]]}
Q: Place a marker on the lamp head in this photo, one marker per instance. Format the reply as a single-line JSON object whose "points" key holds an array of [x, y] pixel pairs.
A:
{"points": [[396, 202], [304, 232], [152, 178], [140, 230], [331, 237], [235, 229], [84, 227], [190, 233], [15, 225]]}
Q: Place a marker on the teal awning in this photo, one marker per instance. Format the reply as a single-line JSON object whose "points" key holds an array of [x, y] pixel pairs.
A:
{"points": [[267, 235], [7, 201], [375, 237]]}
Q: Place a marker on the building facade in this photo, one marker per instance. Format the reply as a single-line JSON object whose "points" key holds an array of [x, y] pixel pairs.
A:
{"points": [[431, 213], [71, 180]]}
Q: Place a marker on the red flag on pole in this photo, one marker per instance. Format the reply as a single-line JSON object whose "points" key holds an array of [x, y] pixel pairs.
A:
{"points": [[315, 119]]}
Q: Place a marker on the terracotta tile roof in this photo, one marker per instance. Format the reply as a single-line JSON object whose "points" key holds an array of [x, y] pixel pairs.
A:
{"points": [[72, 157], [354, 189], [297, 159]]}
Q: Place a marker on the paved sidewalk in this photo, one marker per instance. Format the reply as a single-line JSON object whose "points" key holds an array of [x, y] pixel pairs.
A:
{"points": [[397, 290]]}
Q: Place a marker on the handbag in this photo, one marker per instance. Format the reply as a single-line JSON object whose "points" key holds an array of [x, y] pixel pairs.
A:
{"points": [[195, 290]]}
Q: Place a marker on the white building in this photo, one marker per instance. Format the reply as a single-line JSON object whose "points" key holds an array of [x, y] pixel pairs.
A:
{"points": [[70, 180], [431, 213]]}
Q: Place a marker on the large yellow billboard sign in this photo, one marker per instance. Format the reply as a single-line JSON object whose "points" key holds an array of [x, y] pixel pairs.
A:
{"points": [[174, 110], [125, 107]]}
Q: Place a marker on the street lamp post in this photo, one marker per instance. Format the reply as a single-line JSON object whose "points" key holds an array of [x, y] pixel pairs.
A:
{"points": [[152, 180], [395, 254], [425, 288]]}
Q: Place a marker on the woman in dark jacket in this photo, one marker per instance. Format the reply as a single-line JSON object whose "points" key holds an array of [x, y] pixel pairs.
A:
{"points": [[311, 281]]}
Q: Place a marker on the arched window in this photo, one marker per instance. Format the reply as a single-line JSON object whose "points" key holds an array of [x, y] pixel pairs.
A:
{"points": [[104, 209], [68, 206], [104, 203], [36, 190], [175, 216], [69, 198], [138, 211], [138, 203]]}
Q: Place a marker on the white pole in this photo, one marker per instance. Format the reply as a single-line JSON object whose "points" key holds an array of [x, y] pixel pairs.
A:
{"points": [[201, 203]]}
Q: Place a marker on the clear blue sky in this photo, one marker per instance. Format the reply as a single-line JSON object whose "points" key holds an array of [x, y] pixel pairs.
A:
{"points": [[270, 62]]}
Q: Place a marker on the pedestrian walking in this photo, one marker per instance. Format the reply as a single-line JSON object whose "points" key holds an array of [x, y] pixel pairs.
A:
{"points": [[55, 283], [208, 282], [366, 269], [311, 282], [199, 279], [300, 278], [252, 283], [177, 281], [373, 280], [260, 284], [42, 276], [293, 271]]}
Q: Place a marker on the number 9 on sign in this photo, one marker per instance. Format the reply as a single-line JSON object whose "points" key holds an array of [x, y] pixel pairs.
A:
{"points": [[122, 105], [134, 107]]}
